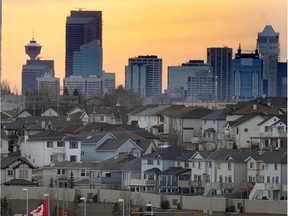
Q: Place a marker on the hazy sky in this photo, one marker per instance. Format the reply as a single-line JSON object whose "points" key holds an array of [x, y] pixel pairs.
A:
{"points": [[174, 30]]}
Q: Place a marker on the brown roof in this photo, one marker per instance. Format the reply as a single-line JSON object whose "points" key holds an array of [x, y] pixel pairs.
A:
{"points": [[175, 110], [256, 108]]}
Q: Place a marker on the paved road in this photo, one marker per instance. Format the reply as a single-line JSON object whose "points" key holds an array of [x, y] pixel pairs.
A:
{"points": [[105, 209]]}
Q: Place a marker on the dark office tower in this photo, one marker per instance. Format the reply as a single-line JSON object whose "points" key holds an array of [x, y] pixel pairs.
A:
{"points": [[282, 79], [82, 27], [268, 45], [144, 75], [220, 60]]}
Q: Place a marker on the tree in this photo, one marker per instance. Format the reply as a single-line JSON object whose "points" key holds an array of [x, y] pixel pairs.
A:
{"points": [[6, 209], [5, 87], [116, 210], [71, 180]]}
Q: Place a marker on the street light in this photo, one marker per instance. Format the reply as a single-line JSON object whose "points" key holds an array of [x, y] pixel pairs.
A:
{"points": [[84, 199], [151, 206], [47, 195], [25, 189], [122, 200]]}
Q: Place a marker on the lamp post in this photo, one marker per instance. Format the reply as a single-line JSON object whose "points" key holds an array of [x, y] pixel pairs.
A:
{"points": [[151, 206], [84, 199], [47, 195], [122, 200], [27, 211]]}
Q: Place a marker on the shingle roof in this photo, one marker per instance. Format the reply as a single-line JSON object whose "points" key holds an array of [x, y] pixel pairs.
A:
{"points": [[111, 144], [153, 170], [275, 157], [20, 182], [258, 108], [141, 109], [236, 155], [50, 135], [197, 113], [116, 163], [169, 153], [153, 110], [175, 170], [244, 118], [217, 115], [92, 138], [7, 161]]}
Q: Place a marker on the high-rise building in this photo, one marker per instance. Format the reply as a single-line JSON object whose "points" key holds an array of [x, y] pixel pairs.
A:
{"points": [[191, 81], [34, 68], [282, 79], [246, 76], [88, 61], [220, 60], [268, 45], [153, 80], [82, 27]]}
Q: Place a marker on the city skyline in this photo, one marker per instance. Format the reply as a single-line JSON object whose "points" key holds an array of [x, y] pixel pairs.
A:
{"points": [[174, 31]]}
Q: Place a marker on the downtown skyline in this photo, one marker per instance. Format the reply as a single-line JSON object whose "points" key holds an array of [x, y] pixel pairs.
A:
{"points": [[174, 31]]}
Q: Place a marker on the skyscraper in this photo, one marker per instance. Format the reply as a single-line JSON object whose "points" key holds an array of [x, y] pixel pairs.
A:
{"points": [[153, 79], [82, 27], [35, 67], [246, 76], [268, 45], [220, 60]]}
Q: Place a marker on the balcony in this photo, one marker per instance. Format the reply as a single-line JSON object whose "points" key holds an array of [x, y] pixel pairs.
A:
{"points": [[142, 182], [197, 184], [278, 134], [184, 183], [226, 136], [246, 185], [168, 184]]}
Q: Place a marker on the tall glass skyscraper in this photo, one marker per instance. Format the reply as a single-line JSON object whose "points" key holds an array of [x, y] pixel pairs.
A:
{"points": [[82, 27], [246, 76], [153, 75], [268, 45], [220, 60]]}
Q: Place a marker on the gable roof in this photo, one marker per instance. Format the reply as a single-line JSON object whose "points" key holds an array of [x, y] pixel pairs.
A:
{"points": [[244, 118], [275, 157], [7, 161], [237, 155], [169, 153], [197, 113], [20, 182], [217, 115], [111, 144], [248, 108], [282, 118], [92, 138], [175, 171]]}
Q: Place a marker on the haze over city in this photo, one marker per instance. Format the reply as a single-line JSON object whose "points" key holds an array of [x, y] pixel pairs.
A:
{"points": [[175, 31]]}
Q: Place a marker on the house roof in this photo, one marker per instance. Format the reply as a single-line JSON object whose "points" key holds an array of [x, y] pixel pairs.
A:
{"points": [[169, 153], [175, 170], [92, 138], [32, 112], [72, 127], [244, 118], [7, 161], [122, 133], [20, 182], [186, 156], [236, 155], [153, 170], [50, 135], [196, 113], [248, 108], [3, 135], [275, 157], [116, 163], [283, 118], [141, 109], [175, 110], [111, 144], [152, 111], [217, 115]]}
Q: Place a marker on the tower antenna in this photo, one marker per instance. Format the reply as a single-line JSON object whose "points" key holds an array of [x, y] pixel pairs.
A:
{"points": [[79, 8]]}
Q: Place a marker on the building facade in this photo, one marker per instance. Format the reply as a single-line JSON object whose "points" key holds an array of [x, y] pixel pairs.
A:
{"points": [[49, 85], [182, 80], [153, 85], [88, 61], [82, 27], [246, 76], [220, 60], [282, 79], [268, 45]]}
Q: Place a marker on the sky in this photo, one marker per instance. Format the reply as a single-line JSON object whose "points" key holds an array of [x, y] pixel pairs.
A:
{"points": [[176, 31]]}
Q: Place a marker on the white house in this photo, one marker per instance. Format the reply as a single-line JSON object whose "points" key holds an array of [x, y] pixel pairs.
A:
{"points": [[46, 147]]}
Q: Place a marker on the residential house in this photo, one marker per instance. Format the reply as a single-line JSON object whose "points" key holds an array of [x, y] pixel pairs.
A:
{"points": [[50, 112], [47, 147], [271, 182], [4, 144], [16, 171], [227, 168], [272, 133]]}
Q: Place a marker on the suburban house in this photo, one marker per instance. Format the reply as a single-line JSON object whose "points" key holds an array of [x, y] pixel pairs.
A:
{"points": [[47, 147], [16, 171], [270, 181]]}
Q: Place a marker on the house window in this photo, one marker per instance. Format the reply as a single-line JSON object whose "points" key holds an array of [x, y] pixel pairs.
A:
{"points": [[251, 165], [186, 164], [218, 165], [220, 178], [73, 145], [199, 165], [268, 179], [193, 163], [63, 172], [58, 171], [10, 172], [53, 158], [150, 177], [229, 165], [267, 128], [275, 167], [23, 173], [158, 162], [277, 180], [261, 179], [230, 179], [245, 129], [210, 164], [49, 144], [60, 144], [178, 163], [82, 153], [250, 179], [150, 162], [73, 157], [82, 172]]}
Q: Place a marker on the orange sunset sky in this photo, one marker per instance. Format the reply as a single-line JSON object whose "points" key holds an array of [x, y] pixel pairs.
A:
{"points": [[174, 30]]}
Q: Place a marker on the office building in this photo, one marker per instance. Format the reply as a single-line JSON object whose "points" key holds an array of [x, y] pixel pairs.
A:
{"points": [[268, 45], [191, 81], [153, 75], [34, 68], [82, 27], [220, 60], [88, 61], [136, 78], [49, 86], [92, 86], [246, 76], [282, 79]]}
